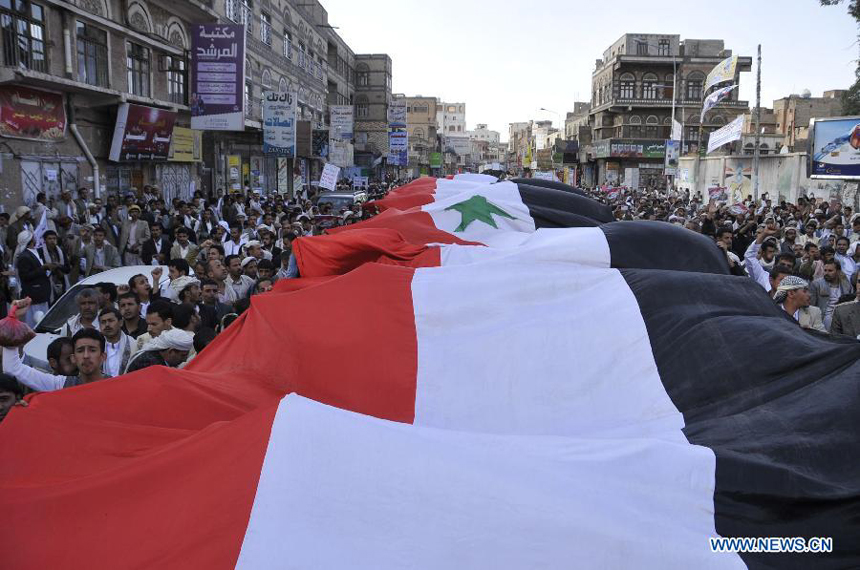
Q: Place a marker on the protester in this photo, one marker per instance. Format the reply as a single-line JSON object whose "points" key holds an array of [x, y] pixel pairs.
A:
{"points": [[118, 345], [159, 318], [129, 307], [170, 348], [825, 292], [792, 295], [10, 394], [87, 301], [88, 356]]}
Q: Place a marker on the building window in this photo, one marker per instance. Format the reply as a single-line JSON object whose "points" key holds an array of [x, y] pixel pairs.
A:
{"points": [[176, 79], [265, 28], [137, 62], [363, 78], [651, 124], [302, 55], [627, 87], [234, 10], [288, 45], [249, 99], [694, 89], [649, 86], [663, 47], [23, 34], [641, 48], [92, 55], [362, 110]]}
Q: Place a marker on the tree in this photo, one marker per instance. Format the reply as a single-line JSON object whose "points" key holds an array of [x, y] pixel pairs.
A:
{"points": [[851, 98]]}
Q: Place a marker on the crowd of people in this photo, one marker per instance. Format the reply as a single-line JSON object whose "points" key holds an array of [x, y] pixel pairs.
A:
{"points": [[805, 255], [219, 252]]}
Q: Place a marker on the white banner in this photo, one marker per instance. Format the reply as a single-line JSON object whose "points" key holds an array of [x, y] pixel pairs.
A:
{"points": [[341, 121], [727, 134], [676, 130], [397, 113], [714, 98], [724, 71], [328, 180]]}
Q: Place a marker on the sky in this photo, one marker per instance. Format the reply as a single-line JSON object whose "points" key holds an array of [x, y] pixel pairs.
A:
{"points": [[507, 59]]}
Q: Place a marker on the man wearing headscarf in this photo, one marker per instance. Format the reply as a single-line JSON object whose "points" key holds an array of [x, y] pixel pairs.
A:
{"points": [[21, 220], [170, 348], [792, 295], [33, 275]]}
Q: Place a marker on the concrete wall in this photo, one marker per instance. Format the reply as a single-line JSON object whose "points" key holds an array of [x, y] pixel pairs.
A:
{"points": [[781, 176]]}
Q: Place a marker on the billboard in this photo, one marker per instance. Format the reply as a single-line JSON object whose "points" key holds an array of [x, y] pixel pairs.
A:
{"points": [[186, 145], [397, 113], [398, 144], [320, 143], [673, 151], [835, 148], [279, 123], [435, 160], [31, 114], [621, 148], [218, 77], [341, 121], [141, 133]]}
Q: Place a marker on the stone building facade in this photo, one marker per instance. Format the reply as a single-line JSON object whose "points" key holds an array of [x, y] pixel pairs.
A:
{"points": [[633, 89], [67, 67], [372, 96]]}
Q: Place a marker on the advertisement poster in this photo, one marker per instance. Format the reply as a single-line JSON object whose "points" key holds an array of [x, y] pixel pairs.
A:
{"points": [[218, 77], [328, 179], [141, 133], [186, 145], [31, 114], [283, 176], [279, 123], [341, 153], [234, 171], [435, 160], [319, 143], [397, 113], [398, 143], [637, 149], [836, 148], [341, 121], [670, 165]]}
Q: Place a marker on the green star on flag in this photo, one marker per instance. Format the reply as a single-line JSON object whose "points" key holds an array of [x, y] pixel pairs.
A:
{"points": [[478, 208]]}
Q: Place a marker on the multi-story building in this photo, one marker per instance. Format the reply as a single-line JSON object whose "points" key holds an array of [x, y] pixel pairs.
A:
{"points": [[634, 86], [452, 118], [421, 126], [576, 119], [67, 68], [770, 141], [372, 96], [482, 133], [518, 142], [287, 49], [341, 71], [794, 112]]}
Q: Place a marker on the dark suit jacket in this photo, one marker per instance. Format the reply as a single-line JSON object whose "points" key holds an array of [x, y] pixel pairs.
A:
{"points": [[208, 316], [846, 319], [148, 251], [34, 282]]}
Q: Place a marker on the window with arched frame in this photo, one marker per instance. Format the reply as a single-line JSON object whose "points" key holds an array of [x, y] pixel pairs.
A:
{"points": [[266, 78], [627, 86], [635, 127], [694, 83], [667, 121], [651, 124], [282, 85], [649, 86]]}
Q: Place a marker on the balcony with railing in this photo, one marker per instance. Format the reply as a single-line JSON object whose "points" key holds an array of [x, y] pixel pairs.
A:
{"points": [[655, 94]]}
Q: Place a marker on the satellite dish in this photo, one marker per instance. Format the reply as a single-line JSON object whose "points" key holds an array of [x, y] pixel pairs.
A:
{"points": [[805, 94]]}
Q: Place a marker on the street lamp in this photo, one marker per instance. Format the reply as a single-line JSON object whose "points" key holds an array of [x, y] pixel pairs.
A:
{"points": [[553, 112]]}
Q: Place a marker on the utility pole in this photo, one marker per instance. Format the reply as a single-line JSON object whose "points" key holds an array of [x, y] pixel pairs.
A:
{"points": [[757, 124]]}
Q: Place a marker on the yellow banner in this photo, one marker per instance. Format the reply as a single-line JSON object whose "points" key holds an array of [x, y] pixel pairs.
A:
{"points": [[724, 71], [186, 145]]}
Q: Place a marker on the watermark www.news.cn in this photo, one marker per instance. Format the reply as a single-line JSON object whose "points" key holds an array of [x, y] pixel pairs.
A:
{"points": [[772, 544]]}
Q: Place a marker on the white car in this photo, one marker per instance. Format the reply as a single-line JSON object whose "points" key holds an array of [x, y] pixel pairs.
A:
{"points": [[50, 323]]}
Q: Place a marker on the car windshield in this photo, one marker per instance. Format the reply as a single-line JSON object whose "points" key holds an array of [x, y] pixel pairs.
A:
{"points": [[61, 312], [337, 202]]}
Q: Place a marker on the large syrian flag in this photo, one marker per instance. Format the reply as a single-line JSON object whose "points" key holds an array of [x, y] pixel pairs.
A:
{"points": [[638, 244], [496, 214], [514, 412]]}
